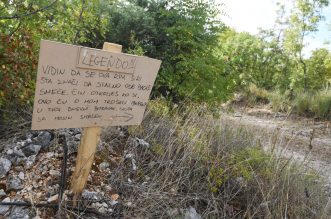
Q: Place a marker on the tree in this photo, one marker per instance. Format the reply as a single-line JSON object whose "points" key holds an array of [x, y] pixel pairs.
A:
{"points": [[183, 34], [24, 22], [303, 21], [319, 69], [252, 59]]}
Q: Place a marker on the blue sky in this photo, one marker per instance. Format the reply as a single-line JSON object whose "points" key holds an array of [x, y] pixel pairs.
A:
{"points": [[250, 15]]}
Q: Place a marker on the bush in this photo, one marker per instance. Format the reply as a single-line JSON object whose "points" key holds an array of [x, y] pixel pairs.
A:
{"points": [[18, 68], [316, 105], [280, 101], [321, 105], [256, 95], [303, 104]]}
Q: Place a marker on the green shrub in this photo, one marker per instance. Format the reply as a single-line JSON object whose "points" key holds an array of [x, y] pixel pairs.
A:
{"points": [[18, 68], [303, 104], [316, 105], [321, 105]]}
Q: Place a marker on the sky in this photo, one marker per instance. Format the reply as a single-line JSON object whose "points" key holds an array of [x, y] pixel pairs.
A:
{"points": [[250, 15]]}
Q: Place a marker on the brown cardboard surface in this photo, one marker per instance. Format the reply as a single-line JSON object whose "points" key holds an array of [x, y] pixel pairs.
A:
{"points": [[72, 92]]}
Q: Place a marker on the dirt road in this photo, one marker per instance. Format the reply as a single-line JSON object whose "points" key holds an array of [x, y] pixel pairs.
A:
{"points": [[304, 140]]}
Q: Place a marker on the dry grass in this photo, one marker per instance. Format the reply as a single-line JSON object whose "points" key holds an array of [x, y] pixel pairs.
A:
{"points": [[14, 120], [219, 169]]}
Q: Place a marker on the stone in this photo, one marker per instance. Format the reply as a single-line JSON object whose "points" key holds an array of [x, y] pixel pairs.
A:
{"points": [[20, 161], [4, 208], [77, 137], [26, 142], [21, 175], [30, 161], [104, 204], [191, 213], [102, 210], [142, 143], [2, 193], [52, 190], [91, 196], [50, 154], [10, 151], [129, 156], [104, 165], [53, 198], [16, 156], [5, 166], [113, 202], [14, 183], [32, 149], [134, 166], [19, 213], [19, 153], [54, 173], [43, 139], [72, 145], [75, 131]]}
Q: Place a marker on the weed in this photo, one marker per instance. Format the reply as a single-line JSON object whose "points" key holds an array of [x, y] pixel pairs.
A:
{"points": [[212, 165]]}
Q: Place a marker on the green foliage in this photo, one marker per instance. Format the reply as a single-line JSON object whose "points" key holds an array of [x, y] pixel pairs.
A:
{"points": [[202, 60], [303, 20], [17, 70], [321, 105], [183, 35], [316, 105], [160, 107], [216, 178], [251, 161], [252, 59], [247, 163], [24, 23], [319, 69], [303, 104]]}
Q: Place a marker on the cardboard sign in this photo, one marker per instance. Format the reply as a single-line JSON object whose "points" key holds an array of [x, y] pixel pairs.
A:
{"points": [[84, 87], [105, 61]]}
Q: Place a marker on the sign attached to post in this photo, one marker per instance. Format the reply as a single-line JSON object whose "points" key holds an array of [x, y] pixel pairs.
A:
{"points": [[85, 87]]}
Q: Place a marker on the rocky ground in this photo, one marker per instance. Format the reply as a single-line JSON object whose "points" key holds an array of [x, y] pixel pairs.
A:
{"points": [[30, 165], [30, 173]]}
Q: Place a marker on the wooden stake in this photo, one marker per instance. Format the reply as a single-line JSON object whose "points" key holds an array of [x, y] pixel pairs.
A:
{"points": [[87, 147]]}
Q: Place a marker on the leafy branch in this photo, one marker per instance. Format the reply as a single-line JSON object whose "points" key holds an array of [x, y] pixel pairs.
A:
{"points": [[18, 16]]}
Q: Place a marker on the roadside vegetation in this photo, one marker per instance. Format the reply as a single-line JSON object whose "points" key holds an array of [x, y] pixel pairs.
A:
{"points": [[220, 170], [194, 159]]}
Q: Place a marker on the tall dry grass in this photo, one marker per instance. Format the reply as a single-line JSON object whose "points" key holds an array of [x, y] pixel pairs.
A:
{"points": [[209, 164], [310, 104]]}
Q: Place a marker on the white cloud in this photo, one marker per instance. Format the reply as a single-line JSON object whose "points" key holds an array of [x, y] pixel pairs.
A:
{"points": [[250, 15]]}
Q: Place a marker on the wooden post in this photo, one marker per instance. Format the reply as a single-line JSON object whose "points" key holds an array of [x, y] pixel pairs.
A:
{"points": [[87, 147]]}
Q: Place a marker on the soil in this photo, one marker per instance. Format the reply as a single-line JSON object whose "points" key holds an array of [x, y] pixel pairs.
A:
{"points": [[302, 139]]}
